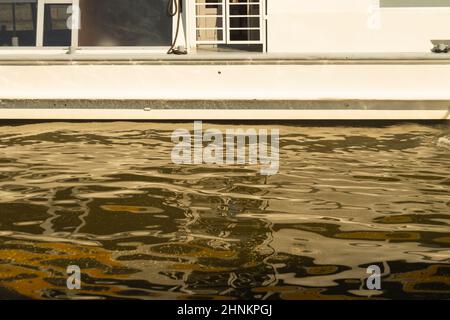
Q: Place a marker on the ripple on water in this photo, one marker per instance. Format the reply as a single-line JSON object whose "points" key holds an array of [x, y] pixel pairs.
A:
{"points": [[106, 197]]}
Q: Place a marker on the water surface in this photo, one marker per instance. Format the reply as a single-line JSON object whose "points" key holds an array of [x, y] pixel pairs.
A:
{"points": [[106, 197]]}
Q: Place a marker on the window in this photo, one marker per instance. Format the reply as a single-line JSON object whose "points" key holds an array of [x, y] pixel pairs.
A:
{"points": [[229, 21], [18, 23], [56, 31], [104, 23], [125, 23], [244, 21], [210, 21]]}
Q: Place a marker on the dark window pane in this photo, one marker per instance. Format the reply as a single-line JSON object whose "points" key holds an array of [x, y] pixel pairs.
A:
{"points": [[56, 32], [18, 24], [244, 22], [125, 23], [243, 10], [245, 35]]}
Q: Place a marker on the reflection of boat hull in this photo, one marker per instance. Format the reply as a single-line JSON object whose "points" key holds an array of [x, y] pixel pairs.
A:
{"points": [[225, 86]]}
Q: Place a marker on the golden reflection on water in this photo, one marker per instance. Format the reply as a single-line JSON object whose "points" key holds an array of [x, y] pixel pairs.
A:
{"points": [[36, 269], [106, 197]]}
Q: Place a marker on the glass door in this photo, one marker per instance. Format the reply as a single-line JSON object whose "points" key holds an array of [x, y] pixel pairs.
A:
{"points": [[210, 21], [244, 21], [229, 21], [55, 27], [125, 23], [144, 24], [18, 23]]}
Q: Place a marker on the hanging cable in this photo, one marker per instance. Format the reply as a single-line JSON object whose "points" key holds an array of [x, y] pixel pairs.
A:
{"points": [[174, 8]]}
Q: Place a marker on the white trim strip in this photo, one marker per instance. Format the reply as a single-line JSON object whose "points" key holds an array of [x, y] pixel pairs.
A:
{"points": [[191, 114]]}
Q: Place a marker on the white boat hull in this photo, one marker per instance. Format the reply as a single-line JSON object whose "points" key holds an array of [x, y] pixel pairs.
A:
{"points": [[230, 89]]}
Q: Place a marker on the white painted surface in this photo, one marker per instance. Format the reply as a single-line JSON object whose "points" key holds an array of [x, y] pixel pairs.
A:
{"points": [[209, 82], [353, 26]]}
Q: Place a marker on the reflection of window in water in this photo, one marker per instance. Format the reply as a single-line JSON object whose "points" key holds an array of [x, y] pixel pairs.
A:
{"points": [[18, 23], [56, 32], [125, 23]]}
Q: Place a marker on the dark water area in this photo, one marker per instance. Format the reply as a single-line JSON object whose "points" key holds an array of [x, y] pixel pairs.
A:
{"points": [[107, 197]]}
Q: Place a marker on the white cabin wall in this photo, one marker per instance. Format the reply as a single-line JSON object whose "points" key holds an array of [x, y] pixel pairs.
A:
{"points": [[344, 26]]}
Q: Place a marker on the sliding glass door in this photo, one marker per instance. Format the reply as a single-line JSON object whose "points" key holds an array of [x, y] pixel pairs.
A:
{"points": [[57, 31], [85, 23], [37, 23], [244, 21], [229, 21], [125, 23], [18, 23]]}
